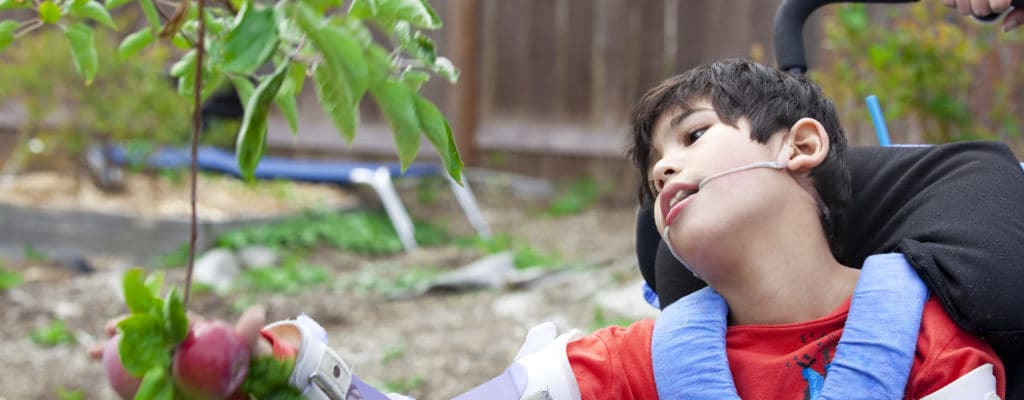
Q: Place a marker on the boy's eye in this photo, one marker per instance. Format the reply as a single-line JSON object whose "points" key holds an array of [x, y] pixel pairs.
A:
{"points": [[694, 135]]}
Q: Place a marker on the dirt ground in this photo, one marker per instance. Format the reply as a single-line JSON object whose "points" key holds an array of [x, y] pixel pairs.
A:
{"points": [[432, 346]]}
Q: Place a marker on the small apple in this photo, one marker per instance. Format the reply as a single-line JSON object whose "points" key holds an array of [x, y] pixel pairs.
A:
{"points": [[123, 382], [211, 362]]}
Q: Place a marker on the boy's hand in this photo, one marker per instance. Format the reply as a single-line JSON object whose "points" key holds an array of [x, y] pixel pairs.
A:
{"points": [[981, 8]]}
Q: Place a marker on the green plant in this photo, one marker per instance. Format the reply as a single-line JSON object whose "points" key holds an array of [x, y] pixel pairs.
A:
{"points": [[357, 231], [9, 278], [129, 100], [408, 280], [575, 198], [404, 385], [32, 254], [524, 255], [291, 276], [392, 353], [53, 335], [925, 70], [600, 320], [69, 394]]}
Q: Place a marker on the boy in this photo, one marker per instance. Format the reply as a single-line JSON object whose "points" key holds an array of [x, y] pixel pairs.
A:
{"points": [[764, 238], [746, 168]]}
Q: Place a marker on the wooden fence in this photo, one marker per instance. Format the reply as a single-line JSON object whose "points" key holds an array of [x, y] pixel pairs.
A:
{"points": [[548, 84]]}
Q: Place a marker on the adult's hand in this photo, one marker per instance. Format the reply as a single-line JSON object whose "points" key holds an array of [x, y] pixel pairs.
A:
{"points": [[980, 8]]}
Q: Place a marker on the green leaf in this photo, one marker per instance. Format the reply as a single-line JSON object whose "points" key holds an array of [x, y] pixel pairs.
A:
{"points": [[285, 99], [336, 101], [13, 4], [243, 86], [94, 11], [437, 130], [396, 102], [417, 12], [55, 334], [144, 344], [185, 65], [8, 278], [343, 76], [251, 41], [253, 133], [134, 43], [138, 297], [414, 79], [415, 43], [49, 12], [175, 320], [112, 4], [7, 33], [323, 5], [445, 68], [181, 42], [362, 9], [268, 378], [340, 50], [83, 49], [290, 110], [152, 15], [156, 385], [155, 283]]}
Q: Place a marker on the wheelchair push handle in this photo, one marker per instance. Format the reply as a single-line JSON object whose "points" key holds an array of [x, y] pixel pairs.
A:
{"points": [[789, 27]]}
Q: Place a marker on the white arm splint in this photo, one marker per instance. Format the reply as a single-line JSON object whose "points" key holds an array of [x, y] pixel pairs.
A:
{"points": [[547, 367], [979, 384], [319, 372]]}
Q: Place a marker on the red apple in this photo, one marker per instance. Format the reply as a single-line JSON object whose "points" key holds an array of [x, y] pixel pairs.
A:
{"points": [[123, 382], [211, 362]]}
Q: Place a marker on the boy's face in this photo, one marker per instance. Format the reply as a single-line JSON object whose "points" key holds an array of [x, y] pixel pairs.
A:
{"points": [[690, 145]]}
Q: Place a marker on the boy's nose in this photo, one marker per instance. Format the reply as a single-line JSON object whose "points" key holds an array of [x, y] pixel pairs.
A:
{"points": [[663, 171]]}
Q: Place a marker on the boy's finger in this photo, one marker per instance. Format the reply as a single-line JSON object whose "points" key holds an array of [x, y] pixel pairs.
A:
{"points": [[250, 323], [111, 328], [95, 351]]}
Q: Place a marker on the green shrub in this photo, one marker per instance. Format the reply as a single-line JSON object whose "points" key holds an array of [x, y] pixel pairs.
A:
{"points": [[129, 100], [925, 64]]}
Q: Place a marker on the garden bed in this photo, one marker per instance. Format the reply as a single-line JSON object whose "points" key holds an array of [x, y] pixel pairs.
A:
{"points": [[64, 215]]}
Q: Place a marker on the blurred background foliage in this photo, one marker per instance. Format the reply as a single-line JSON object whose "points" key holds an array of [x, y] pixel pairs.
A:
{"points": [[131, 101], [939, 77]]}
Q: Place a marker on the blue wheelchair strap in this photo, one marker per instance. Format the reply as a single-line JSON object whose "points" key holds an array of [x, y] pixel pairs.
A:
{"points": [[688, 349], [879, 340], [872, 360]]}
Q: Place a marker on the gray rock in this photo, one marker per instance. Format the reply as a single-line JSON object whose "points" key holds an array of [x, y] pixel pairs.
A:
{"points": [[486, 273], [258, 257], [626, 301], [217, 268]]}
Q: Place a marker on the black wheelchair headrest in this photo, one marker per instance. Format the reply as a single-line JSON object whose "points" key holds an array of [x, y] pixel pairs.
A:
{"points": [[956, 211]]}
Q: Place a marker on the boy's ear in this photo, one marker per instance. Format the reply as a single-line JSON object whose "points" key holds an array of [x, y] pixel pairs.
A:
{"points": [[808, 146]]}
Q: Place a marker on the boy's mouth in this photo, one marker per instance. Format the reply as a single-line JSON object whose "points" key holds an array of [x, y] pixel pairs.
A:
{"points": [[673, 196]]}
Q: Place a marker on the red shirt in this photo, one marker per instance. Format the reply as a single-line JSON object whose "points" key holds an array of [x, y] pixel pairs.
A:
{"points": [[775, 361]]}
